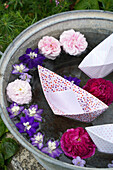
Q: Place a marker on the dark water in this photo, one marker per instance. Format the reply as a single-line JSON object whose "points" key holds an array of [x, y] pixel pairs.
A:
{"points": [[54, 126]]}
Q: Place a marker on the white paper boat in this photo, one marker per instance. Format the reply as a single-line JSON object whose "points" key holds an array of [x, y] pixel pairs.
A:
{"points": [[67, 99], [99, 62], [102, 136]]}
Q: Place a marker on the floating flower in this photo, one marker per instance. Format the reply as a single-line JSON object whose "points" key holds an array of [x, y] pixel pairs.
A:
{"points": [[74, 80], [32, 58], [37, 140], [50, 47], [78, 161], [100, 88], [14, 110], [73, 42], [27, 125], [26, 77], [19, 68], [77, 142], [19, 91], [110, 165], [52, 149], [33, 111]]}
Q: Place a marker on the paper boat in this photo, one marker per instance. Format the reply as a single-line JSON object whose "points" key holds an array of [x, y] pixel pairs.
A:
{"points": [[102, 136], [67, 99], [99, 62]]}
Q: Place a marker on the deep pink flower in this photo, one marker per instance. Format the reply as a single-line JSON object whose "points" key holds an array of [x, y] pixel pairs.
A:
{"points": [[73, 42], [101, 88], [77, 142]]}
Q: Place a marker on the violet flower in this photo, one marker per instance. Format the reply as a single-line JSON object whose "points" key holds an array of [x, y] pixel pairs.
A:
{"points": [[74, 80], [27, 125], [110, 165], [26, 77], [33, 111], [19, 68], [37, 140], [14, 110], [78, 161], [52, 149], [32, 58]]}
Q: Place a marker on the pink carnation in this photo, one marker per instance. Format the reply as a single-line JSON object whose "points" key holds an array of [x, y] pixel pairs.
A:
{"points": [[73, 42], [19, 91], [77, 142], [101, 88], [49, 47]]}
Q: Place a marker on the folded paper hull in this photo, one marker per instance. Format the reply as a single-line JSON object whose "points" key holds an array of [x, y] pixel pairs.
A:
{"points": [[67, 99]]}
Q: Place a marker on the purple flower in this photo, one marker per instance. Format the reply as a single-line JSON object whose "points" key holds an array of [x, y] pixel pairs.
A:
{"points": [[52, 149], [27, 125], [33, 111], [14, 110], [32, 58], [110, 165], [19, 68], [74, 80], [37, 140], [78, 161], [26, 77]]}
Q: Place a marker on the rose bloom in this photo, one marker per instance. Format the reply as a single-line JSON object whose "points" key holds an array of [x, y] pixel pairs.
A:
{"points": [[100, 88], [73, 42], [49, 47], [19, 91], [77, 142]]}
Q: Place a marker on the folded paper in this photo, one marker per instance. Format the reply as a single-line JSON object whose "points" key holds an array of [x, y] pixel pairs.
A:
{"points": [[99, 62], [68, 99], [102, 136]]}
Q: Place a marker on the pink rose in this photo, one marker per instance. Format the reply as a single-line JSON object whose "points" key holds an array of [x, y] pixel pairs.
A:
{"points": [[101, 88], [73, 42], [77, 142], [49, 47], [19, 91]]}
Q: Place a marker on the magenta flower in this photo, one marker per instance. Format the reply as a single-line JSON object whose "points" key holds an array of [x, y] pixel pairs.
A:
{"points": [[37, 140], [32, 58], [74, 80], [52, 149], [27, 125], [33, 111], [73, 42], [78, 161], [14, 110], [26, 77], [19, 68], [49, 47], [77, 142], [100, 88]]}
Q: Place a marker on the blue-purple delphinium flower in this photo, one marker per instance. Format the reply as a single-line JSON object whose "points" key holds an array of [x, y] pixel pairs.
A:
{"points": [[78, 161], [110, 165], [32, 58], [27, 125], [74, 80], [33, 111], [52, 149], [26, 77], [19, 69], [37, 140], [14, 110]]}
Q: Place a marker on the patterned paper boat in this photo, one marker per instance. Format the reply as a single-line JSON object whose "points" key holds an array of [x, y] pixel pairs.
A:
{"points": [[102, 136], [67, 99], [99, 62]]}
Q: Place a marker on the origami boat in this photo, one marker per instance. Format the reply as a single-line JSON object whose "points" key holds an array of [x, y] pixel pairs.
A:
{"points": [[102, 136], [67, 99], [99, 62]]}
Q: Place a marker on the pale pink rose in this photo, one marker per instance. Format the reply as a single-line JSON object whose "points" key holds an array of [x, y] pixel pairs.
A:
{"points": [[73, 42], [19, 91], [49, 47]]}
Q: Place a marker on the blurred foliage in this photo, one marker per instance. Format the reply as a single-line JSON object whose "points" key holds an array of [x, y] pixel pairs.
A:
{"points": [[16, 15]]}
